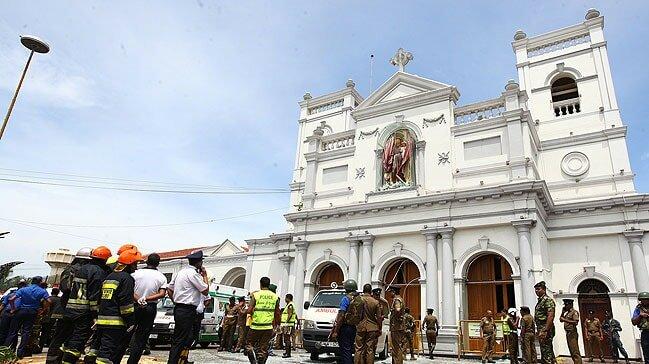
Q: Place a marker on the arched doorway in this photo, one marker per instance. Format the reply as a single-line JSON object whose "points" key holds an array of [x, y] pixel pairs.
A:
{"points": [[593, 295], [403, 273], [235, 277], [489, 286], [330, 273]]}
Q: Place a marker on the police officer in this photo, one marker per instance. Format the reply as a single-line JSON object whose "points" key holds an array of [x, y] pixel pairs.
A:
{"points": [[242, 314], [488, 335], [264, 311], [528, 335], [229, 325], [409, 321], [186, 290], [431, 326], [32, 298], [595, 336], [65, 325], [150, 286], [640, 319], [82, 305], [570, 318], [544, 320], [397, 327], [511, 324], [116, 309], [367, 331], [612, 329], [288, 324], [342, 331]]}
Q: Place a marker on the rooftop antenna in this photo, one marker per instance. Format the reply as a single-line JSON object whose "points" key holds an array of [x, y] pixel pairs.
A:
{"points": [[371, 70]]}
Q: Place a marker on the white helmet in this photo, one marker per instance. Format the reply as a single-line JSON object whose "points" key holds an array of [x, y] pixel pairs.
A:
{"points": [[511, 311], [84, 253]]}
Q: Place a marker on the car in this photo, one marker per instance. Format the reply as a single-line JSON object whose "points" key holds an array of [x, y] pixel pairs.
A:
{"points": [[319, 316]]}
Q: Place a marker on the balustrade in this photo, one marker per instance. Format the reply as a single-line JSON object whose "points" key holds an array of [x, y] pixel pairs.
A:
{"points": [[479, 111], [338, 140], [566, 107]]}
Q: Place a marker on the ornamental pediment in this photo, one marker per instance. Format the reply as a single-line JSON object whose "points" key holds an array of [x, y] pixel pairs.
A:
{"points": [[401, 85]]}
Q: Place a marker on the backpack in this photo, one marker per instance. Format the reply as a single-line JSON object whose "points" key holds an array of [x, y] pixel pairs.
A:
{"points": [[355, 311]]}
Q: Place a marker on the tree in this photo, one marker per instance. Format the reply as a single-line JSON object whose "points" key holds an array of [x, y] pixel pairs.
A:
{"points": [[5, 271]]}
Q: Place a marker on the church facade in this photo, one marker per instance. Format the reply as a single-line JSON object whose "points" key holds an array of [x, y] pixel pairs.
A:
{"points": [[466, 207]]}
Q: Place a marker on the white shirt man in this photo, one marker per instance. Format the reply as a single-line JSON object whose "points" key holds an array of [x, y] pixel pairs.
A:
{"points": [[148, 282], [187, 286]]}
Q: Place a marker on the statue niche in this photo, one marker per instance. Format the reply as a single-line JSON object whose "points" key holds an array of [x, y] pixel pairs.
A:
{"points": [[397, 161]]}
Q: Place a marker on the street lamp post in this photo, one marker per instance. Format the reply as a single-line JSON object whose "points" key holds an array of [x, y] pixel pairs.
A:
{"points": [[34, 44]]}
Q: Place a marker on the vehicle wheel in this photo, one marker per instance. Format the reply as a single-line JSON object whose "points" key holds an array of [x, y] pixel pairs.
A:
{"points": [[314, 356], [384, 354], [204, 345]]}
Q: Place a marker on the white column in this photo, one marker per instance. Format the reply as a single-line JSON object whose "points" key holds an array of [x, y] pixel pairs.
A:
{"points": [[286, 264], [525, 262], [638, 262], [300, 266], [366, 261], [432, 289], [449, 320], [352, 273]]}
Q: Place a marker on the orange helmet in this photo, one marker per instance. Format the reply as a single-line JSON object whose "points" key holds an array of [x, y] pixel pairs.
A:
{"points": [[126, 246], [129, 256], [101, 252]]}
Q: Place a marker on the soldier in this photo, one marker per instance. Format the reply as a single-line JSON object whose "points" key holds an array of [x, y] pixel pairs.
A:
{"points": [[640, 319], [344, 329], [367, 331], [512, 325], [544, 319], [528, 336], [612, 329], [570, 318], [595, 336], [410, 332], [397, 327], [488, 335], [431, 325]]}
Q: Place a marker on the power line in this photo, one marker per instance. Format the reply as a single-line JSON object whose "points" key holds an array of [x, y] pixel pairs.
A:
{"points": [[144, 226], [56, 231]]}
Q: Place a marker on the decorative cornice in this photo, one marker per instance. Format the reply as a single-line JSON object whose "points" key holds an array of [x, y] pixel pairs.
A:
{"points": [[586, 138], [324, 99], [336, 153], [449, 93], [634, 236], [524, 225]]}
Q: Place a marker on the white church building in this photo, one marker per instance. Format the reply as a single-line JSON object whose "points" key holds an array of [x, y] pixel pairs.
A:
{"points": [[466, 207]]}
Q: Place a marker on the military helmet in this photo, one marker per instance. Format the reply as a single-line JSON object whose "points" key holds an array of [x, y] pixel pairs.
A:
{"points": [[350, 285], [84, 253], [643, 296]]}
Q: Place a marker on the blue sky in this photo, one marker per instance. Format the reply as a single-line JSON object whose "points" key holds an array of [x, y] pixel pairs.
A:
{"points": [[206, 92]]}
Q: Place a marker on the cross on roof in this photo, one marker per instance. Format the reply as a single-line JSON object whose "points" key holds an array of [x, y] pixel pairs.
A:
{"points": [[401, 59]]}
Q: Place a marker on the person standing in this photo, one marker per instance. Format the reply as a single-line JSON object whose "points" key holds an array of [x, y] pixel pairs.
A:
{"points": [[229, 325], [528, 336], [116, 309], [367, 332], [264, 310], [512, 324], [409, 321], [150, 286], [488, 335], [544, 320], [186, 289], [570, 318], [640, 318], [32, 298], [8, 308], [198, 320], [431, 326], [344, 329], [289, 317], [397, 327], [612, 329], [595, 336], [242, 313], [53, 315]]}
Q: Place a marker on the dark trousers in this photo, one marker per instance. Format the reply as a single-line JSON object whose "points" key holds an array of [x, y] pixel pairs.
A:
{"points": [[257, 344], [24, 321], [184, 318], [617, 348], [5, 325], [196, 328], [346, 338], [112, 343], [144, 317], [47, 327], [62, 330], [644, 342], [76, 342]]}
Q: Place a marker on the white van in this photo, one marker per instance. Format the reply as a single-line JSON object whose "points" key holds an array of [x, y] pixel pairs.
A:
{"points": [[319, 316]]}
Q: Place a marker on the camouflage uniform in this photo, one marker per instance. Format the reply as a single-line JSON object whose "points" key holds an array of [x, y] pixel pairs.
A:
{"points": [[410, 333], [544, 306]]}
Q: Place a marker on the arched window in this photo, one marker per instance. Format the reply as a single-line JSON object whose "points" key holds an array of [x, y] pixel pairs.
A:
{"points": [[565, 96]]}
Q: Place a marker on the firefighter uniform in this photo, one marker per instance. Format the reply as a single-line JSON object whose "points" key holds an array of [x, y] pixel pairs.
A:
{"points": [[288, 325], [266, 304], [116, 310]]}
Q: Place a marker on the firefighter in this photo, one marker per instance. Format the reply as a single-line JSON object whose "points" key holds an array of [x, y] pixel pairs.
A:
{"points": [[116, 308], [82, 304]]}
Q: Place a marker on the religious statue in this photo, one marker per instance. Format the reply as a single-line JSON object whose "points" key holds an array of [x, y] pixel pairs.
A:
{"points": [[397, 160]]}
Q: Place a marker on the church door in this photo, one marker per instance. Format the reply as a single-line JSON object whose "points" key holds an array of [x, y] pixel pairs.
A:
{"points": [[593, 295], [328, 275], [403, 273]]}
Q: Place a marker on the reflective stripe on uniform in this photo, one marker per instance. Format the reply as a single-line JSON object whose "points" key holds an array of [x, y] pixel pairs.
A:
{"points": [[110, 284], [126, 309], [76, 306], [264, 310], [110, 321], [80, 301], [104, 361], [288, 321], [79, 280]]}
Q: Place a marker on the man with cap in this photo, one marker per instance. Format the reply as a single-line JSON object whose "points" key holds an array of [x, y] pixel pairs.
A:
{"points": [[265, 317], [32, 298], [385, 310], [612, 329], [229, 324], [640, 318], [512, 324], [367, 331], [488, 335], [430, 326], [528, 336], [595, 336], [186, 290], [397, 327], [544, 320], [343, 331], [570, 318]]}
